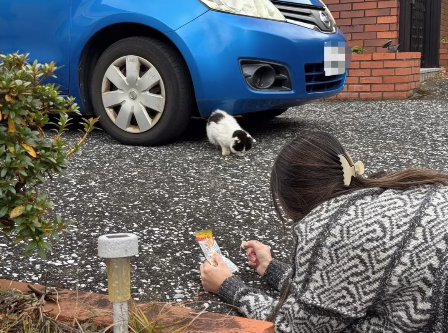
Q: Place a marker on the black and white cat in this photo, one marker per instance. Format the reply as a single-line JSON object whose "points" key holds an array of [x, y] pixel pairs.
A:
{"points": [[223, 130]]}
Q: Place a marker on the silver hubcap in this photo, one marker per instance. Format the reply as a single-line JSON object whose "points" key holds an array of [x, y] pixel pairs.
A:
{"points": [[133, 94]]}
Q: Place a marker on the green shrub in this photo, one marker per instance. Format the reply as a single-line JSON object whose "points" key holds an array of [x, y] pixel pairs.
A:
{"points": [[358, 50], [29, 153]]}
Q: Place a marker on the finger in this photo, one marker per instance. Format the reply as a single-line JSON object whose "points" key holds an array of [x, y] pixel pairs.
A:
{"points": [[206, 265], [252, 264], [252, 257], [218, 259], [253, 244]]}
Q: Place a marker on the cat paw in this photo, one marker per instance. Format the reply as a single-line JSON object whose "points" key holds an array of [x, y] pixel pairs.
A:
{"points": [[225, 151]]}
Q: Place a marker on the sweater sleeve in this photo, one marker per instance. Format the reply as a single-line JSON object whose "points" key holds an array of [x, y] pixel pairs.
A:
{"points": [[294, 315], [277, 274], [251, 302]]}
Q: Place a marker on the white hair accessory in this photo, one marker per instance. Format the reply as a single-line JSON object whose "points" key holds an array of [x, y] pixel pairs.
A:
{"points": [[350, 169]]}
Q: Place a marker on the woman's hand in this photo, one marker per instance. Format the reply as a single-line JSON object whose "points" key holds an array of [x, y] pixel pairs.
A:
{"points": [[258, 255], [212, 277]]}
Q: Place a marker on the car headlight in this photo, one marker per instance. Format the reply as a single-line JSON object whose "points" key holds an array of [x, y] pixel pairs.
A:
{"points": [[255, 8]]}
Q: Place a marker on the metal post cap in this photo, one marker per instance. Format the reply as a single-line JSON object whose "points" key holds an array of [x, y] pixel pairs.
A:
{"points": [[117, 245]]}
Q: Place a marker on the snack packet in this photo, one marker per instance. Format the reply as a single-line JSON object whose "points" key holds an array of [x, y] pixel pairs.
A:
{"points": [[209, 247]]}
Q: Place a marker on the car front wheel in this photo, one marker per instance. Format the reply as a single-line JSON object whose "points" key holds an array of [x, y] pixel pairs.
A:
{"points": [[142, 92]]}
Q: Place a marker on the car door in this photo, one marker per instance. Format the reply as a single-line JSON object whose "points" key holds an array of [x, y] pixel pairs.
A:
{"points": [[40, 28]]}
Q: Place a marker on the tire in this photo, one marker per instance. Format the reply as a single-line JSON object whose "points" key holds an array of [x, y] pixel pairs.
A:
{"points": [[142, 92]]}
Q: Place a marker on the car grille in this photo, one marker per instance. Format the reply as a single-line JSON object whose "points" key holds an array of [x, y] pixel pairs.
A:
{"points": [[316, 81], [307, 16]]}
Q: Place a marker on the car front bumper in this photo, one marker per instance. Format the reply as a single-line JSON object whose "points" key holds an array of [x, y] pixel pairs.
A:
{"points": [[214, 44]]}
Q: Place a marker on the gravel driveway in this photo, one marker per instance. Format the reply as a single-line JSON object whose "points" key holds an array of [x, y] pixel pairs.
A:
{"points": [[165, 194]]}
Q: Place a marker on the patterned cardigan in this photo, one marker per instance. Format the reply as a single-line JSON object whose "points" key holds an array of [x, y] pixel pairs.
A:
{"points": [[370, 261]]}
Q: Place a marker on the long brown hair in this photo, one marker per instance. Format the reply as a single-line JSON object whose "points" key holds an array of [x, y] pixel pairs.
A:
{"points": [[308, 172]]}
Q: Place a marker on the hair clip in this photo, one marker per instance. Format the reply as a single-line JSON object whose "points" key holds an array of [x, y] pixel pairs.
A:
{"points": [[350, 169]]}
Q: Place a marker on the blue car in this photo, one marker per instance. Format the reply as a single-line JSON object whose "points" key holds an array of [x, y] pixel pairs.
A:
{"points": [[145, 67]]}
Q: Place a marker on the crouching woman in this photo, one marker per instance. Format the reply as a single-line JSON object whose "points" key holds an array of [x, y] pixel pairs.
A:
{"points": [[371, 254]]}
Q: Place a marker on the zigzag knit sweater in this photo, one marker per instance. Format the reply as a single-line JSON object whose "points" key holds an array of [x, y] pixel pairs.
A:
{"points": [[370, 261]]}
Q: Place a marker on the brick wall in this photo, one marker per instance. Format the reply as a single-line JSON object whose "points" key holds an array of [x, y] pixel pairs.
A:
{"points": [[367, 23], [381, 76], [371, 23], [444, 35]]}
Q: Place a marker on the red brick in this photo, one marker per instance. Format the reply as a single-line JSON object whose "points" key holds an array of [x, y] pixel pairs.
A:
{"points": [[353, 43], [340, 7], [388, 4], [387, 19], [383, 87], [353, 80], [329, 3], [344, 22], [371, 95], [394, 27], [387, 34], [403, 71], [408, 55], [346, 95], [372, 64], [395, 63], [352, 28], [383, 72], [394, 11], [359, 87], [378, 12], [402, 87], [355, 65], [377, 27], [371, 79], [375, 42], [398, 79], [384, 56], [353, 13], [364, 20], [360, 72], [365, 5], [361, 57], [364, 35]]}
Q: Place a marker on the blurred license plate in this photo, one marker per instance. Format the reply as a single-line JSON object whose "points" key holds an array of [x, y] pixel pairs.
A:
{"points": [[335, 61]]}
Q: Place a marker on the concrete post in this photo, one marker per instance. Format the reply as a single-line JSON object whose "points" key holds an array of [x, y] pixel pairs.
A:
{"points": [[117, 249]]}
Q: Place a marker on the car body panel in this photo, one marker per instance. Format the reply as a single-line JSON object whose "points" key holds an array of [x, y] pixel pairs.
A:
{"points": [[315, 3], [217, 75], [212, 44], [26, 26], [92, 16]]}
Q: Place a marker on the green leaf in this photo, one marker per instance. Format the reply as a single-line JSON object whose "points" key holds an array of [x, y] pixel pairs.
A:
{"points": [[3, 211]]}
